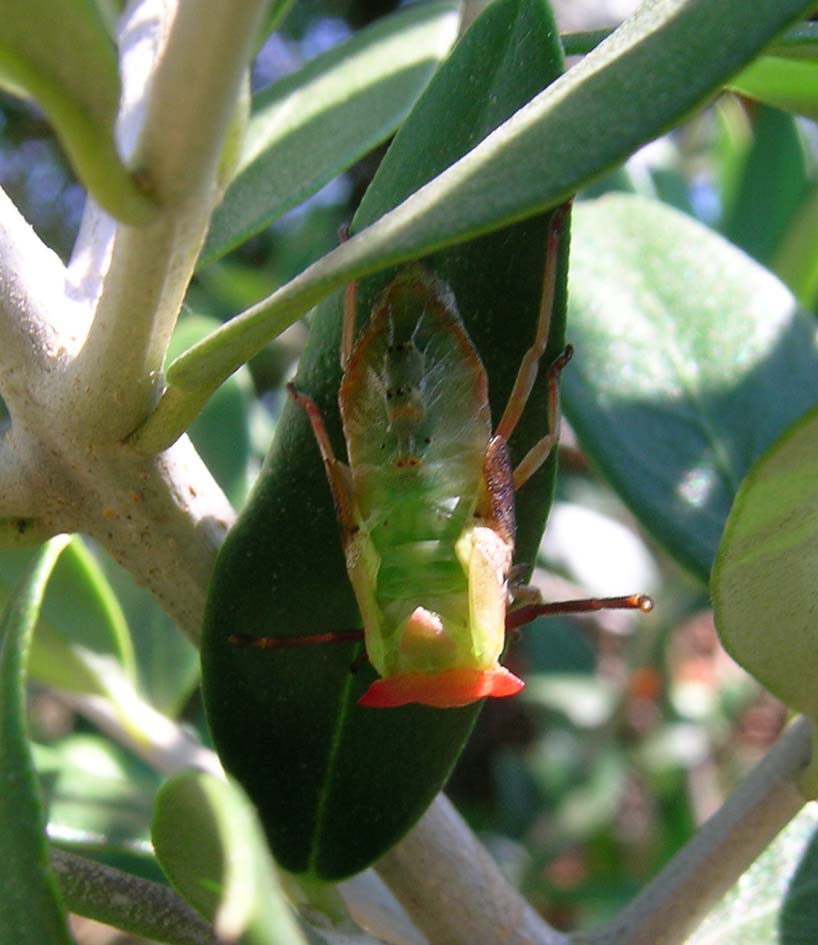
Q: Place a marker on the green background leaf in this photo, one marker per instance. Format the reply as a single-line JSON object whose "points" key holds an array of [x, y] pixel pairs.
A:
{"points": [[690, 360], [774, 902], [756, 215], [64, 58], [99, 800], [82, 642], [763, 583], [317, 765], [790, 83], [594, 117], [221, 433], [30, 909], [212, 848], [312, 125]]}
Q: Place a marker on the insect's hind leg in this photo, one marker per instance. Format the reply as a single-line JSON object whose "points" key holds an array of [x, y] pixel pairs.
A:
{"points": [[529, 366], [541, 450]]}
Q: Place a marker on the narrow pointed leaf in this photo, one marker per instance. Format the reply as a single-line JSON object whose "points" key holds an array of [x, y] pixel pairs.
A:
{"points": [[592, 119], [310, 126], [30, 909]]}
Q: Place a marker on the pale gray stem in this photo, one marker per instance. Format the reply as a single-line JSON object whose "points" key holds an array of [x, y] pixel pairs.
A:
{"points": [[182, 68], [676, 901], [32, 284], [158, 740], [18, 504], [454, 891], [128, 902], [163, 518]]}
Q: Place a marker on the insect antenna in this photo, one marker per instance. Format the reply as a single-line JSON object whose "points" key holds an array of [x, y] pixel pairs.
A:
{"points": [[523, 615]]}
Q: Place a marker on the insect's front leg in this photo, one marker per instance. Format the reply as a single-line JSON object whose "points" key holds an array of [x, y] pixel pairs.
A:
{"points": [[341, 488], [338, 474]]}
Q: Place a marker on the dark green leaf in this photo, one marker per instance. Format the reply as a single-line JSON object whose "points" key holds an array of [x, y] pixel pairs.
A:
{"points": [[212, 848], [312, 125], [690, 360], [336, 784], [30, 909]]}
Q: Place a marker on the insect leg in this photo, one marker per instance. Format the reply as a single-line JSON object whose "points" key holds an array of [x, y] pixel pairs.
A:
{"points": [[337, 472], [541, 450], [527, 373]]}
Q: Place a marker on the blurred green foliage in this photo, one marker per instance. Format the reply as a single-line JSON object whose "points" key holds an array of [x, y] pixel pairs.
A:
{"points": [[631, 731]]}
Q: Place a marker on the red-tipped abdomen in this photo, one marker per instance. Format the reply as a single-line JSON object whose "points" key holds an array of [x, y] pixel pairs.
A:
{"points": [[446, 690]]}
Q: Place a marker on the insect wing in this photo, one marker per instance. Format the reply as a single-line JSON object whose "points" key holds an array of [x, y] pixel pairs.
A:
{"points": [[415, 391]]}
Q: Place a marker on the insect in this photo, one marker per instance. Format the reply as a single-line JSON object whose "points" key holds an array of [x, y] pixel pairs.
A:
{"points": [[425, 503]]}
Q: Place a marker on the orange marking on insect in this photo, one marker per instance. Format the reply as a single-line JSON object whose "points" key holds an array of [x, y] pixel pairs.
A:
{"points": [[447, 690]]}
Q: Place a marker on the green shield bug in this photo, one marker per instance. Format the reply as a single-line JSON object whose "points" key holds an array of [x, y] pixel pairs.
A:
{"points": [[425, 503]]}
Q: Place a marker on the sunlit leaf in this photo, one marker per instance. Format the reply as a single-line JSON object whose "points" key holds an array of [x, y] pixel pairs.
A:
{"points": [[690, 360], [310, 126]]}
